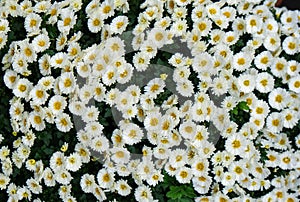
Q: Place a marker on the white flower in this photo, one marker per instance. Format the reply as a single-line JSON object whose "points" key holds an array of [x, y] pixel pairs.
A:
{"points": [[34, 186], [99, 143], [10, 78], [41, 43], [95, 23], [294, 84], [236, 144], [290, 45], [132, 134], [37, 121], [39, 95], [184, 175], [253, 24], [123, 188], [158, 36], [120, 155], [143, 193], [275, 122], [57, 161], [24, 192], [4, 180], [48, 177], [73, 162], [22, 88], [272, 42], [32, 23], [105, 178], [63, 177], [241, 61], [87, 183], [246, 83], [57, 104], [68, 20], [67, 82], [278, 98], [119, 24], [264, 82]]}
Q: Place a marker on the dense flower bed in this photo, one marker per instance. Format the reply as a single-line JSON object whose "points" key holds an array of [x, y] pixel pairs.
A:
{"points": [[156, 100]]}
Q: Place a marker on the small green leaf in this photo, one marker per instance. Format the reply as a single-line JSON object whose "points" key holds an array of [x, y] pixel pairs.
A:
{"points": [[175, 192]]}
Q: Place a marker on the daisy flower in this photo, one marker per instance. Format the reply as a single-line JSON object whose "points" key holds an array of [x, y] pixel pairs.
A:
{"points": [[39, 95], [73, 162], [246, 83], [107, 9], [120, 155], [278, 98], [216, 36], [4, 181], [272, 42], [184, 175], [86, 93], [287, 160], [219, 86], [27, 51], [294, 84], [57, 161], [239, 26], [3, 40], [32, 23], [178, 158], [41, 43], [275, 122], [185, 88], [271, 25], [63, 177], [34, 186], [279, 66], [253, 24], [95, 22], [132, 134], [44, 65], [158, 36], [99, 143], [290, 118], [105, 178], [119, 24], [203, 26], [143, 193], [289, 18], [57, 104], [187, 129], [230, 38], [68, 20], [123, 188], [154, 87], [10, 78], [213, 10], [293, 67], [241, 61], [20, 65], [63, 122], [235, 144], [67, 82], [290, 45], [202, 62], [179, 27], [24, 193], [200, 167], [264, 82], [22, 88]]}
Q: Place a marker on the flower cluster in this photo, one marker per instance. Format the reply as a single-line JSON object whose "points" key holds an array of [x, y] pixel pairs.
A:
{"points": [[229, 128]]}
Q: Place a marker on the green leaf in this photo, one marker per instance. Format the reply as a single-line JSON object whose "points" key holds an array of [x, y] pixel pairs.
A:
{"points": [[243, 105], [175, 192]]}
